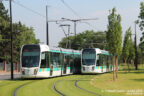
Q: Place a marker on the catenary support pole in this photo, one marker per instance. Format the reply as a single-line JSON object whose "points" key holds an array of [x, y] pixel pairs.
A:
{"points": [[47, 27], [11, 28]]}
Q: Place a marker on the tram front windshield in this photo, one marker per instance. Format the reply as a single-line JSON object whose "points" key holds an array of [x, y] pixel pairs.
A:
{"points": [[88, 57], [30, 56]]}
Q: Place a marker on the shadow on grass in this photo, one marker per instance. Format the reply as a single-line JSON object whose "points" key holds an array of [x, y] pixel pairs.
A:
{"points": [[139, 71], [43, 78], [122, 72], [91, 74], [78, 80], [138, 80], [25, 79]]}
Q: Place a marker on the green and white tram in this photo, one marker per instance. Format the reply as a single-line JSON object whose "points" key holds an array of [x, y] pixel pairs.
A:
{"points": [[38, 61], [94, 60]]}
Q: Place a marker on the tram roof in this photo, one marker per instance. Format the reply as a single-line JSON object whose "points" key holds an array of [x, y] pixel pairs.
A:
{"points": [[45, 47], [99, 51], [63, 50]]}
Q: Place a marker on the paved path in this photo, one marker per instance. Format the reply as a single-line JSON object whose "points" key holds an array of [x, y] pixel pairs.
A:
{"points": [[4, 76]]}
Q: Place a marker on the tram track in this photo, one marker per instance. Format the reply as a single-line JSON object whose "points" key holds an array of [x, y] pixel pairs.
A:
{"points": [[56, 90], [76, 85], [19, 87]]}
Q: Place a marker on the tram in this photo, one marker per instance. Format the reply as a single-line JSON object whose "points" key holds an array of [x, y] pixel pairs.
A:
{"points": [[42, 61], [95, 60]]}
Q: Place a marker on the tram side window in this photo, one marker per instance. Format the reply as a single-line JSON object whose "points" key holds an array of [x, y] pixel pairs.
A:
{"points": [[104, 60], [67, 59], [110, 60], [58, 60], [77, 60], [55, 59], [71, 59], [61, 59], [44, 60], [107, 61], [100, 60]]}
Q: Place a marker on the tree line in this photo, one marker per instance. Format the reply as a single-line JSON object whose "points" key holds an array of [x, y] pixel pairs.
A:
{"points": [[87, 39], [111, 40], [21, 35]]}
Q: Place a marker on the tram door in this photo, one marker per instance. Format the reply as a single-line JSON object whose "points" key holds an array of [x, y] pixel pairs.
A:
{"points": [[51, 64], [107, 64], [71, 63], [64, 66], [51, 70], [64, 71]]}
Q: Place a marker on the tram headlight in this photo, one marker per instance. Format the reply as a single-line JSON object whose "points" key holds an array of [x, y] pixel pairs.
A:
{"points": [[23, 72], [93, 68], [35, 71], [83, 68]]}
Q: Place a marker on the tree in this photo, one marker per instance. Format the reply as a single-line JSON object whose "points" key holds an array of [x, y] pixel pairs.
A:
{"points": [[126, 46], [21, 35], [4, 34], [131, 52], [141, 17], [141, 26], [128, 52], [141, 51], [87, 39], [140, 56], [114, 37]]}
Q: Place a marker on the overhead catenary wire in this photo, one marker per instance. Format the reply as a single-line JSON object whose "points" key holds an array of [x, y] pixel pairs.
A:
{"points": [[71, 9], [68, 45], [74, 12], [35, 12], [77, 20], [63, 31], [88, 24], [29, 9]]}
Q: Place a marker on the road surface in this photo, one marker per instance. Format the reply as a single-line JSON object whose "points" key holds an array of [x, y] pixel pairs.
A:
{"points": [[8, 76]]}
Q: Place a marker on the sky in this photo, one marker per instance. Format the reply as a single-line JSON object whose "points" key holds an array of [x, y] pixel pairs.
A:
{"points": [[32, 13]]}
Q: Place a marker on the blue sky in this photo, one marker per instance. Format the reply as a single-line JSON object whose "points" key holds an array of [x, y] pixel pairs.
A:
{"points": [[128, 9]]}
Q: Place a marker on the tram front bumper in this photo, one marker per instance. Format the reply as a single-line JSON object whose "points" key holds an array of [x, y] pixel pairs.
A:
{"points": [[88, 69]]}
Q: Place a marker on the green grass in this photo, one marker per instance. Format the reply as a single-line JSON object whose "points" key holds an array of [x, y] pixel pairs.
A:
{"points": [[100, 83], [38, 88], [7, 87], [45, 87], [68, 86], [126, 85]]}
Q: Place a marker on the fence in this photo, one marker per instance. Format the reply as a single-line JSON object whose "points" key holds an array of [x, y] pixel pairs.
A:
{"points": [[7, 67]]}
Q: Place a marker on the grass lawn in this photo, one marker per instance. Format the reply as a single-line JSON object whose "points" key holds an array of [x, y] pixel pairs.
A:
{"points": [[45, 87], [128, 84], [7, 87]]}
